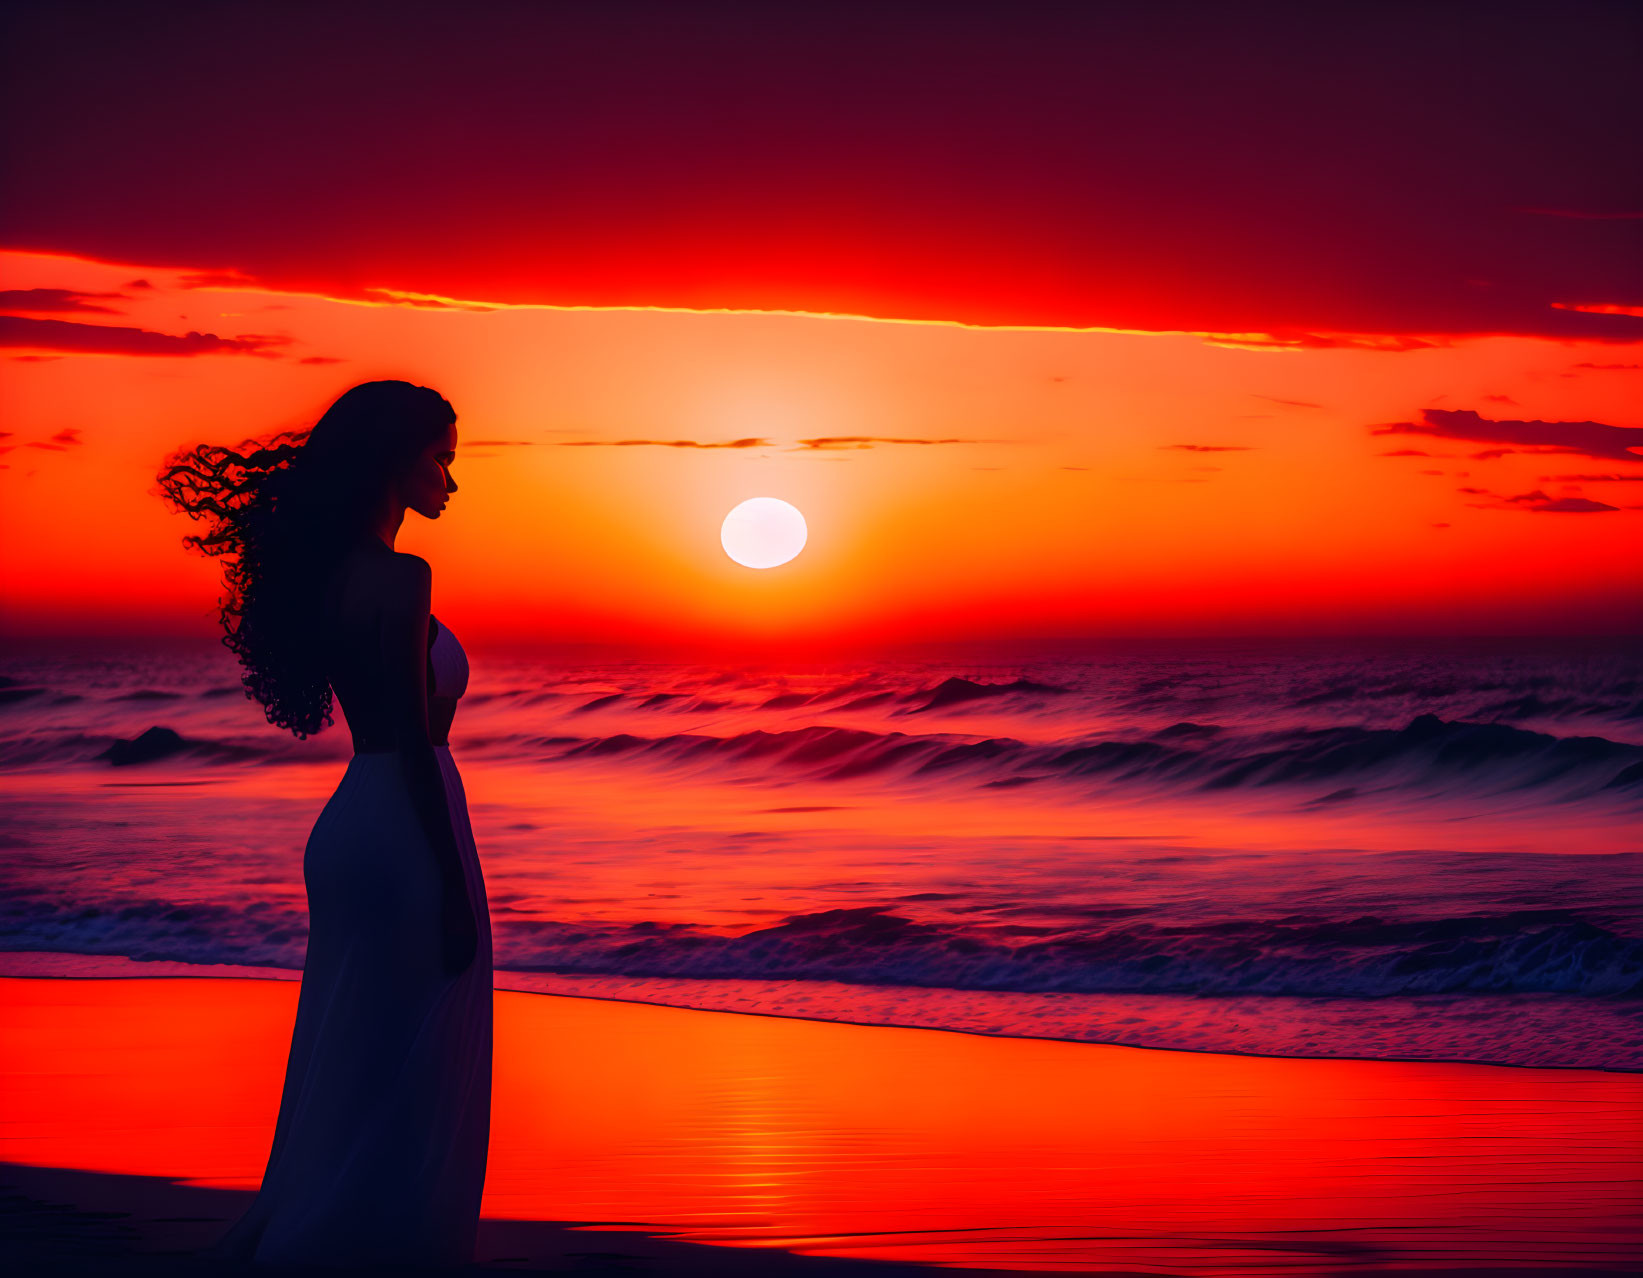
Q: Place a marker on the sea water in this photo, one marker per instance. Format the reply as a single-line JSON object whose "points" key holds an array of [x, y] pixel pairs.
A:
{"points": [[1379, 849]]}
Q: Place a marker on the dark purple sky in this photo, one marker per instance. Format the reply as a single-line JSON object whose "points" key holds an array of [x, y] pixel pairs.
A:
{"points": [[1388, 169]]}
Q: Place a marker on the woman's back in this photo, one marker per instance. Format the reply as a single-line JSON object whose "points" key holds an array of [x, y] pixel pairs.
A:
{"points": [[370, 584]]}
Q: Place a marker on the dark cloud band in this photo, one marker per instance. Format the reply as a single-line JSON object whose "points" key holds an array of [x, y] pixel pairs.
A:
{"points": [[101, 339], [1591, 439]]}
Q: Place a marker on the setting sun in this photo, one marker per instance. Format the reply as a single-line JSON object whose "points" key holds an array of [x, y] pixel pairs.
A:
{"points": [[763, 532]]}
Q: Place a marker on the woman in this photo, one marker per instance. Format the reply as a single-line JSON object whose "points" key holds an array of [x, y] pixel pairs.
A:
{"points": [[379, 1152]]}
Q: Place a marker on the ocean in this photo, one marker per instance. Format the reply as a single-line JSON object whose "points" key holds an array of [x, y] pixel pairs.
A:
{"points": [[1372, 849]]}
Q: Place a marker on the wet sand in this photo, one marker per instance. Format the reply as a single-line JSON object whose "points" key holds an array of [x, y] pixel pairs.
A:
{"points": [[635, 1138]]}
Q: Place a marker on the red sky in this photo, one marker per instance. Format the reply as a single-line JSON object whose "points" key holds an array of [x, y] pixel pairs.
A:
{"points": [[1334, 241]]}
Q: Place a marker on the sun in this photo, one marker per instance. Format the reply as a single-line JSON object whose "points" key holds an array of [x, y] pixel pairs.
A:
{"points": [[763, 532]]}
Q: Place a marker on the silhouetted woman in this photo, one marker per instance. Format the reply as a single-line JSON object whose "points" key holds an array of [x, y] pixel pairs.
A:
{"points": [[379, 1153]]}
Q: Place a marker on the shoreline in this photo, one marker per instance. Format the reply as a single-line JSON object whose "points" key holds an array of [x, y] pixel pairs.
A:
{"points": [[119, 967]]}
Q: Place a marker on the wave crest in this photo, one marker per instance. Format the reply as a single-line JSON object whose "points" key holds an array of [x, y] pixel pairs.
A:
{"points": [[1429, 756]]}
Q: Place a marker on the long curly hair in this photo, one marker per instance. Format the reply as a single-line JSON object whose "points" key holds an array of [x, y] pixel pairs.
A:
{"points": [[279, 514]]}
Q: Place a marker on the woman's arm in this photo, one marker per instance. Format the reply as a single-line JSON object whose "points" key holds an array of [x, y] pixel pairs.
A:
{"points": [[404, 651]]}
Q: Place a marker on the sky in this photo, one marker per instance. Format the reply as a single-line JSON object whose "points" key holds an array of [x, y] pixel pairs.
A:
{"points": [[1107, 319]]}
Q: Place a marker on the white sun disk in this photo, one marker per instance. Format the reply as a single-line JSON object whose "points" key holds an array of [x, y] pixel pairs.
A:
{"points": [[763, 532]]}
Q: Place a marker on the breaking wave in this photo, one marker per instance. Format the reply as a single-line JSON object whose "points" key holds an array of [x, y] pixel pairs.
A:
{"points": [[1521, 952], [1427, 757]]}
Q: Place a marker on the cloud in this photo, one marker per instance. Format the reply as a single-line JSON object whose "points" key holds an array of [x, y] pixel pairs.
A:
{"points": [[1291, 403], [1405, 452], [1537, 501], [1208, 448], [429, 301], [1601, 308], [871, 441], [1500, 399], [655, 443], [1573, 506], [1323, 341], [36, 300], [1592, 439], [321, 359], [216, 279], [1606, 368], [1592, 479], [61, 442], [99, 339]]}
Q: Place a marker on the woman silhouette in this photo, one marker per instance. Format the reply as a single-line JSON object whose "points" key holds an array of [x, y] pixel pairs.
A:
{"points": [[379, 1151]]}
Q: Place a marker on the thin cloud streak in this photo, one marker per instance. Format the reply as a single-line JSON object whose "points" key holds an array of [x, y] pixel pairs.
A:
{"points": [[822, 442], [655, 443]]}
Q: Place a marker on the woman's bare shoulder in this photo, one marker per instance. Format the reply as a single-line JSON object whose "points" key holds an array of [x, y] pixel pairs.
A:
{"points": [[377, 579], [411, 568], [405, 580]]}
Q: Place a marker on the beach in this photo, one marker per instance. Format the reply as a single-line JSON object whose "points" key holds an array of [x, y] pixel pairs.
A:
{"points": [[619, 1126], [1196, 960]]}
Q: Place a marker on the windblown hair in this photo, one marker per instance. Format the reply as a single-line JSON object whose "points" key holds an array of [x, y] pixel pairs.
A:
{"points": [[280, 513]]}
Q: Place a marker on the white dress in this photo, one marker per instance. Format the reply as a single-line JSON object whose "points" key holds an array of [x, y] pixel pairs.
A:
{"points": [[384, 1121]]}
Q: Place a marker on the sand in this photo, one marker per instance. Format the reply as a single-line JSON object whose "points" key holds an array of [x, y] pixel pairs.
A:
{"points": [[634, 1138]]}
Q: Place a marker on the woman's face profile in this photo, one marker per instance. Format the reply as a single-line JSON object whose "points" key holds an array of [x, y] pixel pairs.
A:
{"points": [[428, 484]]}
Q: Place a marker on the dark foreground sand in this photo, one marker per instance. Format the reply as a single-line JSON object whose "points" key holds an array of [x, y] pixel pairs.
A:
{"points": [[135, 1116], [56, 1221], [85, 1225]]}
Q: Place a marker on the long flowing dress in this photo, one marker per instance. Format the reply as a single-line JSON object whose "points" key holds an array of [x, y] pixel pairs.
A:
{"points": [[384, 1122]]}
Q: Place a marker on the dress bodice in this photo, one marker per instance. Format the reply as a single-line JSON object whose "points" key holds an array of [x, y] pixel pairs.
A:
{"points": [[447, 663]]}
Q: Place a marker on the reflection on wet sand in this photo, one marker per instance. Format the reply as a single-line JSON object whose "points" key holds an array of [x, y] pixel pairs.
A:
{"points": [[756, 1131]]}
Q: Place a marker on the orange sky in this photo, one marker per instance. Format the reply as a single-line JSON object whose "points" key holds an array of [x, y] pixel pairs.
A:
{"points": [[1071, 504]]}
